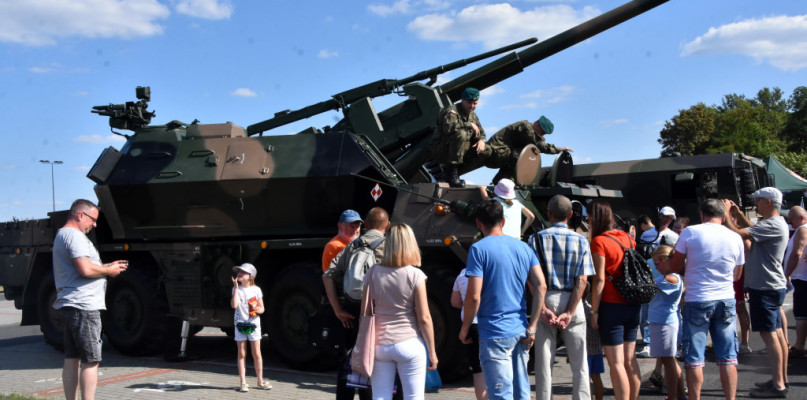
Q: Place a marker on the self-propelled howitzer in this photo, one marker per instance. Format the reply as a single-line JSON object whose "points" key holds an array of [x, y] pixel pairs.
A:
{"points": [[184, 203]]}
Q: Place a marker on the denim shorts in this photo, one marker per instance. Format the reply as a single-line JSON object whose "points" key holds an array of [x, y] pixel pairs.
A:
{"points": [[82, 334], [716, 318], [763, 307], [504, 363], [618, 323]]}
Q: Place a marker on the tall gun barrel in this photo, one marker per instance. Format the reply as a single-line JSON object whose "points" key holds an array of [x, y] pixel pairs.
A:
{"points": [[512, 64], [374, 89]]}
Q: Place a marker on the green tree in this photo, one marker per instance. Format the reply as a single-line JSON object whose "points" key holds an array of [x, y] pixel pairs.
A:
{"points": [[795, 131], [746, 126], [688, 133], [796, 161]]}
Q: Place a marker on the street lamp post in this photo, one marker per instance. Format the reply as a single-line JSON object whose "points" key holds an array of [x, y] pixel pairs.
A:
{"points": [[52, 183]]}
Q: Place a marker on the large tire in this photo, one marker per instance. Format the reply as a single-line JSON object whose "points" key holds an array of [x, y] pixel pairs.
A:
{"points": [[453, 363], [293, 299], [49, 322], [136, 320]]}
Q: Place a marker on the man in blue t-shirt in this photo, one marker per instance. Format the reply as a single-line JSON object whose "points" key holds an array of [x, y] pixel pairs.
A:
{"points": [[498, 268]]}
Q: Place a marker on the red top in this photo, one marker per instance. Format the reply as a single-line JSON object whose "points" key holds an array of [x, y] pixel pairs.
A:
{"points": [[613, 261]]}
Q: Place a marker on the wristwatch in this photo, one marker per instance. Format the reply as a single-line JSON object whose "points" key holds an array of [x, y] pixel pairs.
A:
{"points": [[530, 333]]}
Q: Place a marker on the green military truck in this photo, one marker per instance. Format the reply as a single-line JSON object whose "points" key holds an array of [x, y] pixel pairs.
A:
{"points": [[184, 203], [679, 182]]}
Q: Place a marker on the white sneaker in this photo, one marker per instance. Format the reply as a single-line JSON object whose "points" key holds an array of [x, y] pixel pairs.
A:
{"points": [[244, 388], [644, 353]]}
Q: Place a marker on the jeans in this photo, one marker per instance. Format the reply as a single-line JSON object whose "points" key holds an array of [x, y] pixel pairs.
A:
{"points": [[546, 341], [504, 363], [702, 318], [409, 359], [644, 326]]}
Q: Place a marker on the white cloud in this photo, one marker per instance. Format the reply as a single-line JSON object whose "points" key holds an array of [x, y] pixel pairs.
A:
{"points": [[207, 9], [98, 139], [243, 92], [56, 68], [543, 97], [504, 24], [82, 168], [327, 54], [44, 22], [781, 41], [611, 122], [407, 7]]}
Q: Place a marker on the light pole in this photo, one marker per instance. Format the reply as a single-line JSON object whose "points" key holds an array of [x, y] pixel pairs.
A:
{"points": [[52, 184]]}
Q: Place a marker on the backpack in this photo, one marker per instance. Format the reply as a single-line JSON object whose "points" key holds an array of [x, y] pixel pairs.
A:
{"points": [[361, 258], [636, 284]]}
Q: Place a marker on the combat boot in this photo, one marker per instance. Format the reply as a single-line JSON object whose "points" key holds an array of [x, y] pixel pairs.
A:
{"points": [[453, 176]]}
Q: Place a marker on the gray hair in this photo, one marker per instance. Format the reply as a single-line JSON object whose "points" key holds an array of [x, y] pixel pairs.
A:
{"points": [[713, 208], [81, 205], [559, 206]]}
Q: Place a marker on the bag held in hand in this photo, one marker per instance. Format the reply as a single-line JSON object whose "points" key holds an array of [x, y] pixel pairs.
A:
{"points": [[636, 284], [363, 355]]}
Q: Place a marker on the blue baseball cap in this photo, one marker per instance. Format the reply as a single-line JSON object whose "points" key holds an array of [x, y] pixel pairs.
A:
{"points": [[350, 216]]}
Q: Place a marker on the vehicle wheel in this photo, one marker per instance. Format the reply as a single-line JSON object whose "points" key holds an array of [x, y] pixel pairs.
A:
{"points": [[135, 321], [294, 298], [49, 322], [453, 363]]}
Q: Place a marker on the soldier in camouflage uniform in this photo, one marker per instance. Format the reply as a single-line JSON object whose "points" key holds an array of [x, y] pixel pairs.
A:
{"points": [[507, 143], [458, 143]]}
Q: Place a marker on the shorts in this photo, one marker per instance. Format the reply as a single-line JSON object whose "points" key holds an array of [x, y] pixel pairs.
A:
{"points": [[739, 291], [763, 307], [596, 364], [618, 323], [82, 334], [704, 318], [665, 339], [472, 350], [800, 299], [255, 336]]}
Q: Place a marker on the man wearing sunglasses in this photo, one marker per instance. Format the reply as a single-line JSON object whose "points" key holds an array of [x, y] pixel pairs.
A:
{"points": [[80, 278]]}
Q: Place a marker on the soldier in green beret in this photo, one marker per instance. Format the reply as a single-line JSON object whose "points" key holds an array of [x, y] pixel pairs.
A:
{"points": [[507, 143], [458, 142]]}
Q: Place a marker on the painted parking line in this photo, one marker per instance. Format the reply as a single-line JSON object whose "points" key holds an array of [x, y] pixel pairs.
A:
{"points": [[111, 380]]}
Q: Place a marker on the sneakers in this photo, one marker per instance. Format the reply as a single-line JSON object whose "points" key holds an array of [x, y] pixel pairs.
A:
{"points": [[265, 385], [644, 353], [744, 349], [766, 390], [657, 379], [244, 388]]}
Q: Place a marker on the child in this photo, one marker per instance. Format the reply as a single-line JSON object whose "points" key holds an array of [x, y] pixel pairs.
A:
{"points": [[596, 366], [247, 301], [663, 318]]}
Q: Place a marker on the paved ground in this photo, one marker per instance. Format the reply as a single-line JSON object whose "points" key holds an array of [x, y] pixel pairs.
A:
{"points": [[28, 365]]}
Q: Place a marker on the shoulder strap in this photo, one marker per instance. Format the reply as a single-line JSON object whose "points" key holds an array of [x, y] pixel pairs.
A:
{"points": [[367, 295], [617, 241], [377, 242]]}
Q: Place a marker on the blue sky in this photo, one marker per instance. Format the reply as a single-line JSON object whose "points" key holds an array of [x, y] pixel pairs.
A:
{"points": [[220, 61]]}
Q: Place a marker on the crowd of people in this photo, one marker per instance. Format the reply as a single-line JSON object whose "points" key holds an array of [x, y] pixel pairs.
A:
{"points": [[569, 278]]}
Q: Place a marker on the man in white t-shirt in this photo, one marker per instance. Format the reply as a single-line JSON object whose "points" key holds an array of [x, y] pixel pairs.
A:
{"points": [[713, 258]]}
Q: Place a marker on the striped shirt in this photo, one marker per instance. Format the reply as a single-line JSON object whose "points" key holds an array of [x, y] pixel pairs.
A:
{"points": [[564, 255]]}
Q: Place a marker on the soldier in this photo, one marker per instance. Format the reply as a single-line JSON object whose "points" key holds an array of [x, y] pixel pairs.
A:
{"points": [[507, 143], [459, 138]]}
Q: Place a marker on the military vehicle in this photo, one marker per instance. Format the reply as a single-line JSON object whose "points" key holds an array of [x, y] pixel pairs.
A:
{"points": [[679, 182], [184, 203]]}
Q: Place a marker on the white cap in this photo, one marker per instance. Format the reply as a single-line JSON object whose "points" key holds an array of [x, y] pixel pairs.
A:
{"points": [[771, 193], [248, 268], [505, 189], [667, 210]]}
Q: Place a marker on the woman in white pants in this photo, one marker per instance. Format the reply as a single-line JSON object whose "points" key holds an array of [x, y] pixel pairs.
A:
{"points": [[403, 322]]}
